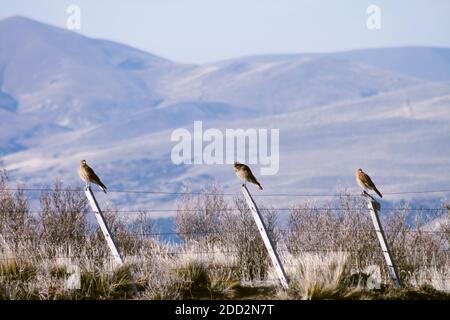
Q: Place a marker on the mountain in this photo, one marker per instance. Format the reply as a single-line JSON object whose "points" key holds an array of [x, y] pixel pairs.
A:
{"points": [[74, 80], [427, 63], [66, 97], [274, 87]]}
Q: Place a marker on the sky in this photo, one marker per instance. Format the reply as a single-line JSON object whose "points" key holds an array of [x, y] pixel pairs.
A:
{"points": [[201, 31]]}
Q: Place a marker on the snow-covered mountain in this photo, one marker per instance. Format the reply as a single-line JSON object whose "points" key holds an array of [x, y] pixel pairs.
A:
{"points": [[66, 97]]}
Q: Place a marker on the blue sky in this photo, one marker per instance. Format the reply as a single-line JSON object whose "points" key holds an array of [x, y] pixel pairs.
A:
{"points": [[199, 31]]}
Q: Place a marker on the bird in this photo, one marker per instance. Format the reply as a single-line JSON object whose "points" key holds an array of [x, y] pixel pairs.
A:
{"points": [[245, 174], [365, 182], [88, 175]]}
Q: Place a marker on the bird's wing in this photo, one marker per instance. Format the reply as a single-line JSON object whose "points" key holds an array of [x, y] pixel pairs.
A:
{"points": [[247, 170], [93, 176], [369, 181], [251, 177]]}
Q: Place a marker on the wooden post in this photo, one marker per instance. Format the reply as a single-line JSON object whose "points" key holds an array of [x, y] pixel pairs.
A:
{"points": [[106, 232], [374, 207], [267, 242]]}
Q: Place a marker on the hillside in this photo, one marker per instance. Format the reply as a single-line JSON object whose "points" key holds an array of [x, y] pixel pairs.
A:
{"points": [[66, 97]]}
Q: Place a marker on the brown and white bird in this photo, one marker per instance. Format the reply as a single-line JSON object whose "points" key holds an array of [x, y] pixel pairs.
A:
{"points": [[245, 174], [365, 182], [88, 175]]}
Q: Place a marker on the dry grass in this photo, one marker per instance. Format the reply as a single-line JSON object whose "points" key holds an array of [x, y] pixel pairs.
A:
{"points": [[317, 275], [326, 252]]}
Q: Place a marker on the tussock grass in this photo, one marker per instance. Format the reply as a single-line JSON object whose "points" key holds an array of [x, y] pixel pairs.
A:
{"points": [[317, 275], [326, 252]]}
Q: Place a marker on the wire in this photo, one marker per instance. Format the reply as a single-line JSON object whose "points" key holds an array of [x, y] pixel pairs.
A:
{"points": [[143, 210], [223, 194], [147, 210], [294, 231], [302, 231], [130, 258]]}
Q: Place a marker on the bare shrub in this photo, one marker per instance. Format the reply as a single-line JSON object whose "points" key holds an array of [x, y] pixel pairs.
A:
{"points": [[208, 218], [199, 216], [221, 250], [334, 227], [127, 239], [348, 227], [413, 245], [16, 221], [63, 217], [239, 233]]}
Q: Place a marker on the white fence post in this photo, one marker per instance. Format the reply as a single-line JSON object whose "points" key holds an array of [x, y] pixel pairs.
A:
{"points": [[105, 230], [267, 242], [374, 207]]}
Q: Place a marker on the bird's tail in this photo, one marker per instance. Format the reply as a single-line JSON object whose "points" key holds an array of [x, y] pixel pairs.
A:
{"points": [[378, 192], [103, 187], [255, 182]]}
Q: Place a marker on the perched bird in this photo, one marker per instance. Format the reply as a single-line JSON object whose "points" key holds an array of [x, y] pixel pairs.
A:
{"points": [[365, 182], [245, 174], [88, 175]]}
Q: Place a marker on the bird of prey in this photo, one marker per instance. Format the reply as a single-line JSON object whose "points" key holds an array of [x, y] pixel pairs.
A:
{"points": [[245, 174], [365, 182], [88, 175]]}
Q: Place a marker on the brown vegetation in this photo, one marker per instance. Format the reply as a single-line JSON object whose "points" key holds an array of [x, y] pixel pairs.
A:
{"points": [[329, 251]]}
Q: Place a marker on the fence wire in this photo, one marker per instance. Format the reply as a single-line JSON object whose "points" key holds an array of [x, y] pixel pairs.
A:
{"points": [[45, 189], [177, 251]]}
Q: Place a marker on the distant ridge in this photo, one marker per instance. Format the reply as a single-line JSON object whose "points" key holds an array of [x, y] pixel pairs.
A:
{"points": [[66, 97]]}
